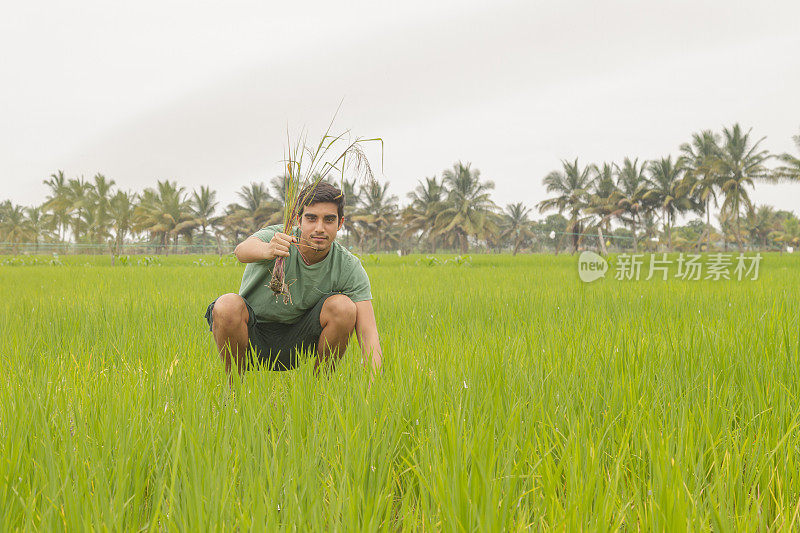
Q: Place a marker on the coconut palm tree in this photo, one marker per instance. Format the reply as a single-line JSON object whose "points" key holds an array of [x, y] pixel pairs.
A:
{"points": [[351, 201], [427, 201], [377, 215], [235, 224], [99, 198], [571, 186], [668, 193], [163, 212], [204, 204], [349, 190], [760, 223], [603, 199], [632, 185], [253, 195], [649, 226], [740, 163], [517, 225], [727, 228], [469, 210], [278, 188], [57, 204], [77, 195], [121, 209], [258, 208], [788, 234], [40, 225], [790, 169], [15, 226], [700, 160]]}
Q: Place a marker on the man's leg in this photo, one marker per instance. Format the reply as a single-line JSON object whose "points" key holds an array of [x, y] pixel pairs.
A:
{"points": [[230, 330], [338, 319]]}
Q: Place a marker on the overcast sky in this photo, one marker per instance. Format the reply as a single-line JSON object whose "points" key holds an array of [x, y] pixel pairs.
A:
{"points": [[203, 92]]}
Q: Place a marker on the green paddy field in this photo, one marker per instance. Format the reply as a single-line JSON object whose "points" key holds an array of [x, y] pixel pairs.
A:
{"points": [[513, 396]]}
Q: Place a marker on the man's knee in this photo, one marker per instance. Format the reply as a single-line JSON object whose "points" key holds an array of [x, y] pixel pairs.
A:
{"points": [[340, 309], [229, 311]]}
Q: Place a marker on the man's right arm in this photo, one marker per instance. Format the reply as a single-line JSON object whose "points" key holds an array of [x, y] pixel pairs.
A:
{"points": [[253, 249]]}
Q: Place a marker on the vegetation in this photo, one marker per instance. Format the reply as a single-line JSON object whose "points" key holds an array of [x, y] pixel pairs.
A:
{"points": [[623, 206], [534, 400]]}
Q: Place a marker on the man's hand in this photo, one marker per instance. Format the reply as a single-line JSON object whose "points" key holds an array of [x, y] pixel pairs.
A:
{"points": [[278, 246], [254, 249]]}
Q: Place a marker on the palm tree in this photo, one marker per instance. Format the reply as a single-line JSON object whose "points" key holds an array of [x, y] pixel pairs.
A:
{"points": [[668, 192], [98, 200], [427, 201], [77, 195], [278, 186], [649, 226], [39, 225], [164, 212], [632, 185], [700, 159], [121, 209], [603, 199], [258, 208], [469, 210], [203, 205], [350, 193], [789, 233], [517, 225], [740, 162], [235, 224], [253, 196], [15, 226], [377, 214], [727, 228], [761, 222], [571, 186], [791, 164], [57, 204]]}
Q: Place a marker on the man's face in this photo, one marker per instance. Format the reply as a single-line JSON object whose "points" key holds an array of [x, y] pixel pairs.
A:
{"points": [[319, 224]]}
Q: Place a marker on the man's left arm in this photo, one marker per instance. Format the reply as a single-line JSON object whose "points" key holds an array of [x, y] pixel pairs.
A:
{"points": [[367, 335]]}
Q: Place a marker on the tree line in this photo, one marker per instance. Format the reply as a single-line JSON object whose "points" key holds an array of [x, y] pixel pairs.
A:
{"points": [[627, 205]]}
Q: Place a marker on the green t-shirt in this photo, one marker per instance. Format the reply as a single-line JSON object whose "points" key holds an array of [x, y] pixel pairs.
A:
{"points": [[340, 271]]}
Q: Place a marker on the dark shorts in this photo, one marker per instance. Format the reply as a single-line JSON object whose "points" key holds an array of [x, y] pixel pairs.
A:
{"points": [[280, 346]]}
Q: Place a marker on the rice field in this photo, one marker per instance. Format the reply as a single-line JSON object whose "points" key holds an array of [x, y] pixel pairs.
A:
{"points": [[513, 396]]}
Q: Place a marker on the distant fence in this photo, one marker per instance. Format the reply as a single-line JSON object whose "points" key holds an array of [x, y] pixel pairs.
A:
{"points": [[542, 242], [71, 248]]}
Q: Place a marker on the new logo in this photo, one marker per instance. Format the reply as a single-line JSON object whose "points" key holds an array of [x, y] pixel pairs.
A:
{"points": [[591, 266]]}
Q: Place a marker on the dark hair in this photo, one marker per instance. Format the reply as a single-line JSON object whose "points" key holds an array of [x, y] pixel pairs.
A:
{"points": [[321, 192]]}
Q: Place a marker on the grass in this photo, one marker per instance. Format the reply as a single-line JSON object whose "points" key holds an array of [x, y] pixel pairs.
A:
{"points": [[513, 395]]}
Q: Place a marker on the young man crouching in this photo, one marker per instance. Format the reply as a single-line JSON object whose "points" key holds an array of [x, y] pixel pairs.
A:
{"points": [[330, 294]]}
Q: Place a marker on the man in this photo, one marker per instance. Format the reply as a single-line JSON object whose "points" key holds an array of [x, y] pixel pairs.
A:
{"points": [[330, 294]]}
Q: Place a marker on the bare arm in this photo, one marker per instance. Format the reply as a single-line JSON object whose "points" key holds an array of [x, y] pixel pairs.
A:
{"points": [[367, 335], [254, 249]]}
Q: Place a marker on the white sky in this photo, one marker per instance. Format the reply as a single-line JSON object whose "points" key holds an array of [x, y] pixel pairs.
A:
{"points": [[202, 92]]}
